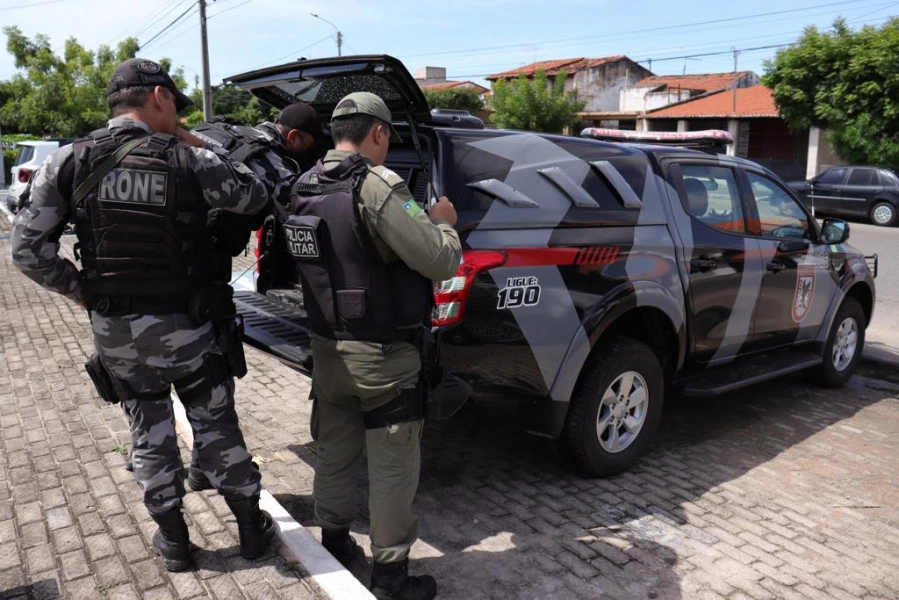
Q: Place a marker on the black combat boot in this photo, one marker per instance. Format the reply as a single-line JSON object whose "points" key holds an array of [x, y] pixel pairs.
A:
{"points": [[392, 581], [197, 480], [341, 545], [255, 527], [172, 541]]}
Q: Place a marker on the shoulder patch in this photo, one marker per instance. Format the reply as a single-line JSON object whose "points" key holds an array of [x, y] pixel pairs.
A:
{"points": [[412, 208], [389, 177]]}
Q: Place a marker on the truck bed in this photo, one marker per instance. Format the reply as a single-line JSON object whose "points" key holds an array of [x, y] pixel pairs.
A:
{"points": [[279, 328]]}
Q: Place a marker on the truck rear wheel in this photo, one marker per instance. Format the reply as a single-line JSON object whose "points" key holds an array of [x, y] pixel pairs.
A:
{"points": [[615, 412]]}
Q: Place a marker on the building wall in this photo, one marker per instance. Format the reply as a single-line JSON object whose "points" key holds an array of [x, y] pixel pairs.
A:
{"points": [[600, 87], [641, 99]]}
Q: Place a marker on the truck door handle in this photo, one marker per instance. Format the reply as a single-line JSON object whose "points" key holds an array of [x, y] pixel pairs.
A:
{"points": [[703, 263], [775, 266]]}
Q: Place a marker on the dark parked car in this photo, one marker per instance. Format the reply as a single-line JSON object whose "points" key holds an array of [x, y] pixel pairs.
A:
{"points": [[870, 192]]}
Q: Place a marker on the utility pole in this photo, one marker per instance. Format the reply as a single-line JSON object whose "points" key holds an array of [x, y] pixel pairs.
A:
{"points": [[339, 35], [207, 91], [734, 107]]}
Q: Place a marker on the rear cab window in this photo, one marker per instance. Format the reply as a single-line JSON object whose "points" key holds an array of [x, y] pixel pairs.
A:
{"points": [[710, 194], [561, 178]]}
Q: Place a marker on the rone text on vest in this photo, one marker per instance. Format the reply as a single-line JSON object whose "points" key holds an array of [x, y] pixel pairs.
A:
{"points": [[134, 186]]}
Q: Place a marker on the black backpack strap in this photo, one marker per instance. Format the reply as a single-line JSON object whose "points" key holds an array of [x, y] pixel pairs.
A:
{"points": [[111, 161]]}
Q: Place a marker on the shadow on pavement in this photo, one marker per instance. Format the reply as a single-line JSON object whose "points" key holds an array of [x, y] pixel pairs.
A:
{"points": [[502, 516]]}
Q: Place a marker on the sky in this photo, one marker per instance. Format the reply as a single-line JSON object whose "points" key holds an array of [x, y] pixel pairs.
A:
{"points": [[470, 38]]}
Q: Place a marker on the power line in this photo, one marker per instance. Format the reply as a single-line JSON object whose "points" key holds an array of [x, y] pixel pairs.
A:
{"points": [[143, 24], [167, 27], [30, 5], [606, 36]]}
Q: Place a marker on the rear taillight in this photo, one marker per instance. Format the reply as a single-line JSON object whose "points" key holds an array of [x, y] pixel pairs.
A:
{"points": [[451, 296], [24, 175], [259, 249]]}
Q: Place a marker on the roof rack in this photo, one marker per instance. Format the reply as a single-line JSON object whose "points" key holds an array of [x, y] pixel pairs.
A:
{"points": [[708, 139]]}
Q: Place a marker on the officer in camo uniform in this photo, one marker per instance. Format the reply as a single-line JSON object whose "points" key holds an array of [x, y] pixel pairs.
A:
{"points": [[367, 254], [277, 152], [141, 226]]}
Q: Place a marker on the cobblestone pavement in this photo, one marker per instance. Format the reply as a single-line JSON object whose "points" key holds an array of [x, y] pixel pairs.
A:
{"points": [[784, 490], [72, 523]]}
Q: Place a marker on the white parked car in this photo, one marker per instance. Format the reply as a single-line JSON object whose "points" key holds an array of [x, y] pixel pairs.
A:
{"points": [[30, 156]]}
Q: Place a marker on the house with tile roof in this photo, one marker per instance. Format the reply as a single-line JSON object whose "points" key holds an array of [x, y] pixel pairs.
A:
{"points": [[598, 81], [752, 118], [661, 90], [434, 78]]}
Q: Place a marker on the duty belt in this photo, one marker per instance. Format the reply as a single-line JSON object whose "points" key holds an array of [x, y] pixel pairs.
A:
{"points": [[111, 306]]}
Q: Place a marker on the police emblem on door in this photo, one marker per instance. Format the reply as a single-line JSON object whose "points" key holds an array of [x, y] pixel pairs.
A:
{"points": [[805, 288]]}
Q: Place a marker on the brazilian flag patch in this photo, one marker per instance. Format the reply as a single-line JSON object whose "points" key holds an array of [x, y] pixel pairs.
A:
{"points": [[412, 208]]}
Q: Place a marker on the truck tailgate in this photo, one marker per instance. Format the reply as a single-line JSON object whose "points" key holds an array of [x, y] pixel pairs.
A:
{"points": [[275, 327]]}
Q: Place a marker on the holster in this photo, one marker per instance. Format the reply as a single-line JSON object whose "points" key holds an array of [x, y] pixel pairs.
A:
{"points": [[444, 397], [102, 378], [443, 393], [229, 335], [210, 302]]}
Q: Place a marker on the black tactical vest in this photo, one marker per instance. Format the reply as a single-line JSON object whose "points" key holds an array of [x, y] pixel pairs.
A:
{"points": [[243, 144], [349, 292], [142, 230]]}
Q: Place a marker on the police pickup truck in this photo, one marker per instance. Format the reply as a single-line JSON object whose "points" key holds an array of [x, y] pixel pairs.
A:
{"points": [[598, 277]]}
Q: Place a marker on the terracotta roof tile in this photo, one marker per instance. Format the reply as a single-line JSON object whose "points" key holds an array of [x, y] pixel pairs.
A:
{"points": [[446, 85], [755, 101], [552, 67], [707, 82]]}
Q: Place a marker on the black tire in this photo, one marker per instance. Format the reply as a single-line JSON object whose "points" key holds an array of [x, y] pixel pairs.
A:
{"points": [[843, 349], [615, 362], [883, 214]]}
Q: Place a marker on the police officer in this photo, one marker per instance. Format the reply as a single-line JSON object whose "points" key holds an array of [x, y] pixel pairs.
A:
{"points": [[277, 152], [367, 253], [138, 197]]}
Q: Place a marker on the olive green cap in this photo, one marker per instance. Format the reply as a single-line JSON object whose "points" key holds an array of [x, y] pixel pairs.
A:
{"points": [[366, 103]]}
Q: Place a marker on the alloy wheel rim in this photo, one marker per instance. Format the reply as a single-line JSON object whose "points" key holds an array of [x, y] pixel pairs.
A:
{"points": [[622, 412], [845, 344], [883, 214]]}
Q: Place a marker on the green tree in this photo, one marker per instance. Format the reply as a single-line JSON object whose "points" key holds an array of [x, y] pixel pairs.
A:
{"points": [[61, 95], [846, 83], [230, 101], [535, 105], [455, 98]]}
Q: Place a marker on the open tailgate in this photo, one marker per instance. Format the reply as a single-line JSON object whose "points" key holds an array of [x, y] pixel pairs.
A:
{"points": [[276, 327]]}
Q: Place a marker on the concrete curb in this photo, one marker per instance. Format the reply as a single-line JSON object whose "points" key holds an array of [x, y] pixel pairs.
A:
{"points": [[336, 582]]}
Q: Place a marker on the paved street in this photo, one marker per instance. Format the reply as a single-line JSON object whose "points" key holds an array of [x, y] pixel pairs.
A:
{"points": [[781, 491]]}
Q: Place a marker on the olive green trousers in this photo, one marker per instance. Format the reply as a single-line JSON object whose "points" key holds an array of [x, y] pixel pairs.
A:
{"points": [[349, 379]]}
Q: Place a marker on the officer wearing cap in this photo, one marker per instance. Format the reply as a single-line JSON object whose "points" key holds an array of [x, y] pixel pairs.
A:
{"points": [[139, 196], [367, 254], [277, 152]]}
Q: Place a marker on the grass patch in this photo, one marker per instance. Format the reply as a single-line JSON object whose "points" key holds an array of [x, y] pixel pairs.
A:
{"points": [[121, 449]]}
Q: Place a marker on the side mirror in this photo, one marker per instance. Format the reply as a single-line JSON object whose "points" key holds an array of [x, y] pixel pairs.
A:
{"points": [[834, 231]]}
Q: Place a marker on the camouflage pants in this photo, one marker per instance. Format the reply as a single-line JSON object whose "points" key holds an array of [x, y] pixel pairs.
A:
{"points": [[150, 354]]}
